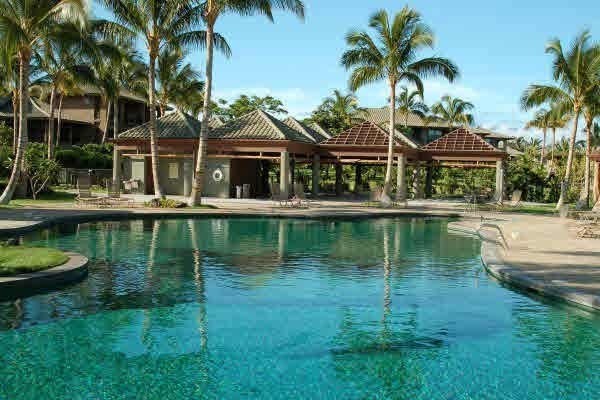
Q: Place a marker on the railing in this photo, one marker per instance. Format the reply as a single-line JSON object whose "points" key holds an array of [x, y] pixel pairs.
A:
{"points": [[500, 232]]}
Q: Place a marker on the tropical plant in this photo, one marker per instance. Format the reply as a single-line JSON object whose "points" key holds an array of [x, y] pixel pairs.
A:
{"points": [[453, 111], [245, 104], [177, 81], [392, 55], [559, 118], [337, 112], [60, 61], [212, 10], [541, 120], [576, 73], [24, 25], [39, 170], [158, 24], [411, 103]]}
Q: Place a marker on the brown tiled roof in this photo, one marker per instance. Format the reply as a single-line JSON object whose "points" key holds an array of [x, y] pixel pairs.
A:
{"points": [[306, 130], [364, 134], [319, 129], [176, 125], [382, 116], [215, 122], [257, 125], [38, 110], [460, 140]]}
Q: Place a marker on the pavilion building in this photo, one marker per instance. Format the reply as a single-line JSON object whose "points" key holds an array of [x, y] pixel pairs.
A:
{"points": [[243, 150]]}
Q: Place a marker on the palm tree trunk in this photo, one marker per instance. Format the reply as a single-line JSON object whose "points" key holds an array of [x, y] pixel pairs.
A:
{"points": [[153, 126], [387, 185], [24, 59], [584, 197], [553, 144], [15, 101], [105, 130], [59, 119], [564, 187], [116, 118], [543, 152], [196, 194], [51, 124]]}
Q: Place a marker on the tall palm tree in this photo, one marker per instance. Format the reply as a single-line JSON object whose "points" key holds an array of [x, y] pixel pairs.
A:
{"points": [[158, 24], [576, 73], [9, 84], [411, 103], [213, 9], [24, 24], [177, 80], [541, 120], [392, 55], [59, 59], [591, 110], [453, 111]]}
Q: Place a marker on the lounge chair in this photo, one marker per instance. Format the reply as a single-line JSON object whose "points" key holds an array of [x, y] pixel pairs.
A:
{"points": [[514, 202], [299, 199], [84, 193], [114, 198], [375, 193], [277, 197]]}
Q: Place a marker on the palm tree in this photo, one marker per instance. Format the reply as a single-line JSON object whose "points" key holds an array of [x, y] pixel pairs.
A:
{"points": [[411, 103], [591, 110], [177, 82], [453, 111], [541, 120], [577, 75], [559, 117], [392, 55], [159, 24], [343, 107], [213, 9], [24, 25], [60, 60], [9, 84]]}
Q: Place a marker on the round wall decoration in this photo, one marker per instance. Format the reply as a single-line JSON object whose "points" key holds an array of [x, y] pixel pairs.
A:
{"points": [[217, 175]]}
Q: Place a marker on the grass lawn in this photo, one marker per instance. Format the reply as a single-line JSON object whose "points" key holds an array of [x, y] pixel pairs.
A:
{"points": [[19, 259], [45, 199]]}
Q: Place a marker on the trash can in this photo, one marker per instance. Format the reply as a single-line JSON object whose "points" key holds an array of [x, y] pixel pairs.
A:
{"points": [[246, 190], [238, 191]]}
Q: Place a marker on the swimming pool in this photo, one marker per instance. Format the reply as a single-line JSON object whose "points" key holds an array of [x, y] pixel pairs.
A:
{"points": [[285, 309]]}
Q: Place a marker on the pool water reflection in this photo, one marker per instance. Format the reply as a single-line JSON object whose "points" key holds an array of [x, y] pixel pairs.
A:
{"points": [[279, 309]]}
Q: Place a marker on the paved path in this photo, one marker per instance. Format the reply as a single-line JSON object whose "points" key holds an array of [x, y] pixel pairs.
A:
{"points": [[545, 250], [544, 254]]}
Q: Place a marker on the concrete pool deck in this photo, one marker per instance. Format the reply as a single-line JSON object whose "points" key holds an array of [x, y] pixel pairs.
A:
{"points": [[541, 253]]}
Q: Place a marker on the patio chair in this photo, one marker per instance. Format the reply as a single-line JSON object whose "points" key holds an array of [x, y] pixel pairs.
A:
{"points": [[514, 202], [300, 199], [375, 193], [277, 197], [84, 193], [114, 197]]}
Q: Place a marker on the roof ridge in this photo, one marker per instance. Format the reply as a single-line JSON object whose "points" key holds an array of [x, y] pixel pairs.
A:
{"points": [[185, 121], [302, 128], [270, 121]]}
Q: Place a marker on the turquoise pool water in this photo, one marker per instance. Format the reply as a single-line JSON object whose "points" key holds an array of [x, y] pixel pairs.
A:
{"points": [[289, 309]]}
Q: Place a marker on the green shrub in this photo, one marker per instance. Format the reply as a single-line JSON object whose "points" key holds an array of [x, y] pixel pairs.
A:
{"points": [[165, 203], [88, 156]]}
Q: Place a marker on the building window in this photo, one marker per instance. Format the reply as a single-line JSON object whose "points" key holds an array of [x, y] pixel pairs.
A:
{"points": [[173, 170]]}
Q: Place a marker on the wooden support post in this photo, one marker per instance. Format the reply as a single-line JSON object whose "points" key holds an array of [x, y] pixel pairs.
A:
{"points": [[316, 174], [284, 174], [338, 179], [357, 178], [401, 178]]}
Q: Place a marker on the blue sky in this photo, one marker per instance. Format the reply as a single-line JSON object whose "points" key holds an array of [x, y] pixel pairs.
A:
{"points": [[499, 48]]}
